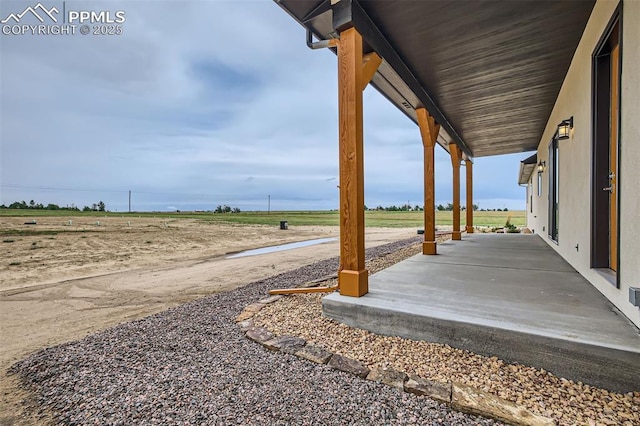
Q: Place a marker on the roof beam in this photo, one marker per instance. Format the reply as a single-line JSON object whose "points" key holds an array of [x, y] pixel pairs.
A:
{"points": [[349, 13]]}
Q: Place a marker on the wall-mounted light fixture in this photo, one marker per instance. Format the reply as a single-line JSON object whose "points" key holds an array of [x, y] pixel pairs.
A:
{"points": [[541, 165], [564, 128]]}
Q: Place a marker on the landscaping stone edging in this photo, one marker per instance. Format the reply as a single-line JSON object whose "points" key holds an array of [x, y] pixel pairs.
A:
{"points": [[460, 397]]}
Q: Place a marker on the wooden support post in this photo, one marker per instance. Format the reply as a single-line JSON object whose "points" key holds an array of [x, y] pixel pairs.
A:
{"points": [[469, 168], [353, 279], [429, 132], [455, 162]]}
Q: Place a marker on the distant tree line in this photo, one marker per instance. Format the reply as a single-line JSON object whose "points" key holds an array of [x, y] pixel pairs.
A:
{"points": [[32, 205], [449, 207], [495, 210], [403, 208], [226, 209]]}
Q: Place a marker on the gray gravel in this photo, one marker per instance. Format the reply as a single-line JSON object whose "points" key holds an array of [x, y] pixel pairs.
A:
{"points": [[192, 365]]}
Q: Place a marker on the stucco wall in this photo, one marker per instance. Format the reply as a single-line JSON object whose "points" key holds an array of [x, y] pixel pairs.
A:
{"points": [[630, 153], [575, 160]]}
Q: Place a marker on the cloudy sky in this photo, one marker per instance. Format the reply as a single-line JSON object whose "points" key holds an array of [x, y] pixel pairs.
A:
{"points": [[197, 104]]}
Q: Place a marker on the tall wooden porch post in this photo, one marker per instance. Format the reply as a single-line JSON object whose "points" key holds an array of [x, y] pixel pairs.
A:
{"points": [[455, 162], [429, 133], [354, 73], [469, 169]]}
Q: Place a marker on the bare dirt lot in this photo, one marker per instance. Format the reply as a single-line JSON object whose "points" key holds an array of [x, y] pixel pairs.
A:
{"points": [[68, 277]]}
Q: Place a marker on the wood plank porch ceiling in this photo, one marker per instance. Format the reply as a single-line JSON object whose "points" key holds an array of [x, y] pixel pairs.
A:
{"points": [[491, 69]]}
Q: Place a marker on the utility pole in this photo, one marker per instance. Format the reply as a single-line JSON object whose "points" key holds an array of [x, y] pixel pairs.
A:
{"points": [[269, 204], [129, 201]]}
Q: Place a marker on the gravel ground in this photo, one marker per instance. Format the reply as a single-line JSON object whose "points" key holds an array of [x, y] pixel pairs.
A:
{"points": [[543, 393], [192, 365]]}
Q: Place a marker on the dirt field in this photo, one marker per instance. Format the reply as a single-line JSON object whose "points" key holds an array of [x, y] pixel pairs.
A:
{"points": [[61, 280]]}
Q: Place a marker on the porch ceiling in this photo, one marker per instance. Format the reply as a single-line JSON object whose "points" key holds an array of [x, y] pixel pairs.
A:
{"points": [[489, 71]]}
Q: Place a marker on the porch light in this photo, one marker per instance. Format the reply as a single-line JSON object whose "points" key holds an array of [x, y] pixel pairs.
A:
{"points": [[564, 128], [541, 165]]}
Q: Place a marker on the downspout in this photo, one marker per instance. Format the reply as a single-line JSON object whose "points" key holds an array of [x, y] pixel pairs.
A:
{"points": [[332, 42]]}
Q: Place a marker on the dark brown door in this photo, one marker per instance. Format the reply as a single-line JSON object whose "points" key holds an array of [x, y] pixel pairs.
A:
{"points": [[606, 95], [613, 159]]}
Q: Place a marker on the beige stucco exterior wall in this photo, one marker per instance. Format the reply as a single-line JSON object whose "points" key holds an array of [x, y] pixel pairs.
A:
{"points": [[630, 152], [575, 160]]}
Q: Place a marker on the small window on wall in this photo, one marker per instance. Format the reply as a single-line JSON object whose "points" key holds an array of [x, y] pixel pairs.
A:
{"points": [[539, 184], [531, 195], [554, 189]]}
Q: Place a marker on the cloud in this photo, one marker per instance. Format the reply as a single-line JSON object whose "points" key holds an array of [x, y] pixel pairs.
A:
{"points": [[198, 104]]}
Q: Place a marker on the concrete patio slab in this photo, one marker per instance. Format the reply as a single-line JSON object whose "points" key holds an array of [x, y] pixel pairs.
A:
{"points": [[503, 295]]}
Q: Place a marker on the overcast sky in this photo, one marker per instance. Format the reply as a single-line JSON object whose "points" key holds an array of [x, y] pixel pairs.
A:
{"points": [[198, 104]]}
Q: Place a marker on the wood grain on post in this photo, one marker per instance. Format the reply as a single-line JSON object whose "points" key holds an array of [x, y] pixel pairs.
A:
{"points": [[353, 278], [455, 162], [429, 132], [371, 62], [469, 168]]}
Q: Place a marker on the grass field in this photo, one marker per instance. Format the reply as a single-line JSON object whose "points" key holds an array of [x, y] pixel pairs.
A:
{"points": [[372, 218]]}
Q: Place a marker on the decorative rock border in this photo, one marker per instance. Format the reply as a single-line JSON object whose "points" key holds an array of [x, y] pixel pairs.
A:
{"points": [[460, 397]]}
